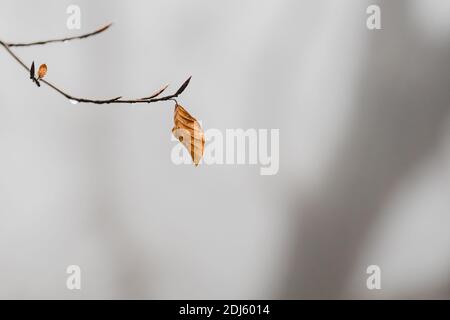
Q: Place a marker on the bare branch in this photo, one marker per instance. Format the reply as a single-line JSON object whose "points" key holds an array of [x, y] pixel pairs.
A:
{"points": [[153, 98], [36, 43]]}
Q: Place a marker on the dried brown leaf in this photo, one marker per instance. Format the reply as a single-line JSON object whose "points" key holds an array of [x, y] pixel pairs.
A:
{"points": [[42, 71], [189, 132]]}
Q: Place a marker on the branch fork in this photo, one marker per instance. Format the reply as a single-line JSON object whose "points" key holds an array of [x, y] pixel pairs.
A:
{"points": [[156, 97], [186, 128]]}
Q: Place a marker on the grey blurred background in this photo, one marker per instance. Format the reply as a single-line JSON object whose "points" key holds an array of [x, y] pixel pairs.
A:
{"points": [[364, 151]]}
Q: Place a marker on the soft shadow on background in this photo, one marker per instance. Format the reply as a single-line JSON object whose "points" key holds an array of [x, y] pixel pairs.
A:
{"points": [[364, 151], [401, 104]]}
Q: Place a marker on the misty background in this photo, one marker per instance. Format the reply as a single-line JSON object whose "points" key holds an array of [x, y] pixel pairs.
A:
{"points": [[364, 151]]}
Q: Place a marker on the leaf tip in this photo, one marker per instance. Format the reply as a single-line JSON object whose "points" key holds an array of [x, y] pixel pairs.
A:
{"points": [[32, 71], [183, 86]]}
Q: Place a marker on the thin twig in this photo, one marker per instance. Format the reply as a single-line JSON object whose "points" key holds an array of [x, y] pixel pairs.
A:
{"points": [[83, 36], [151, 99]]}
